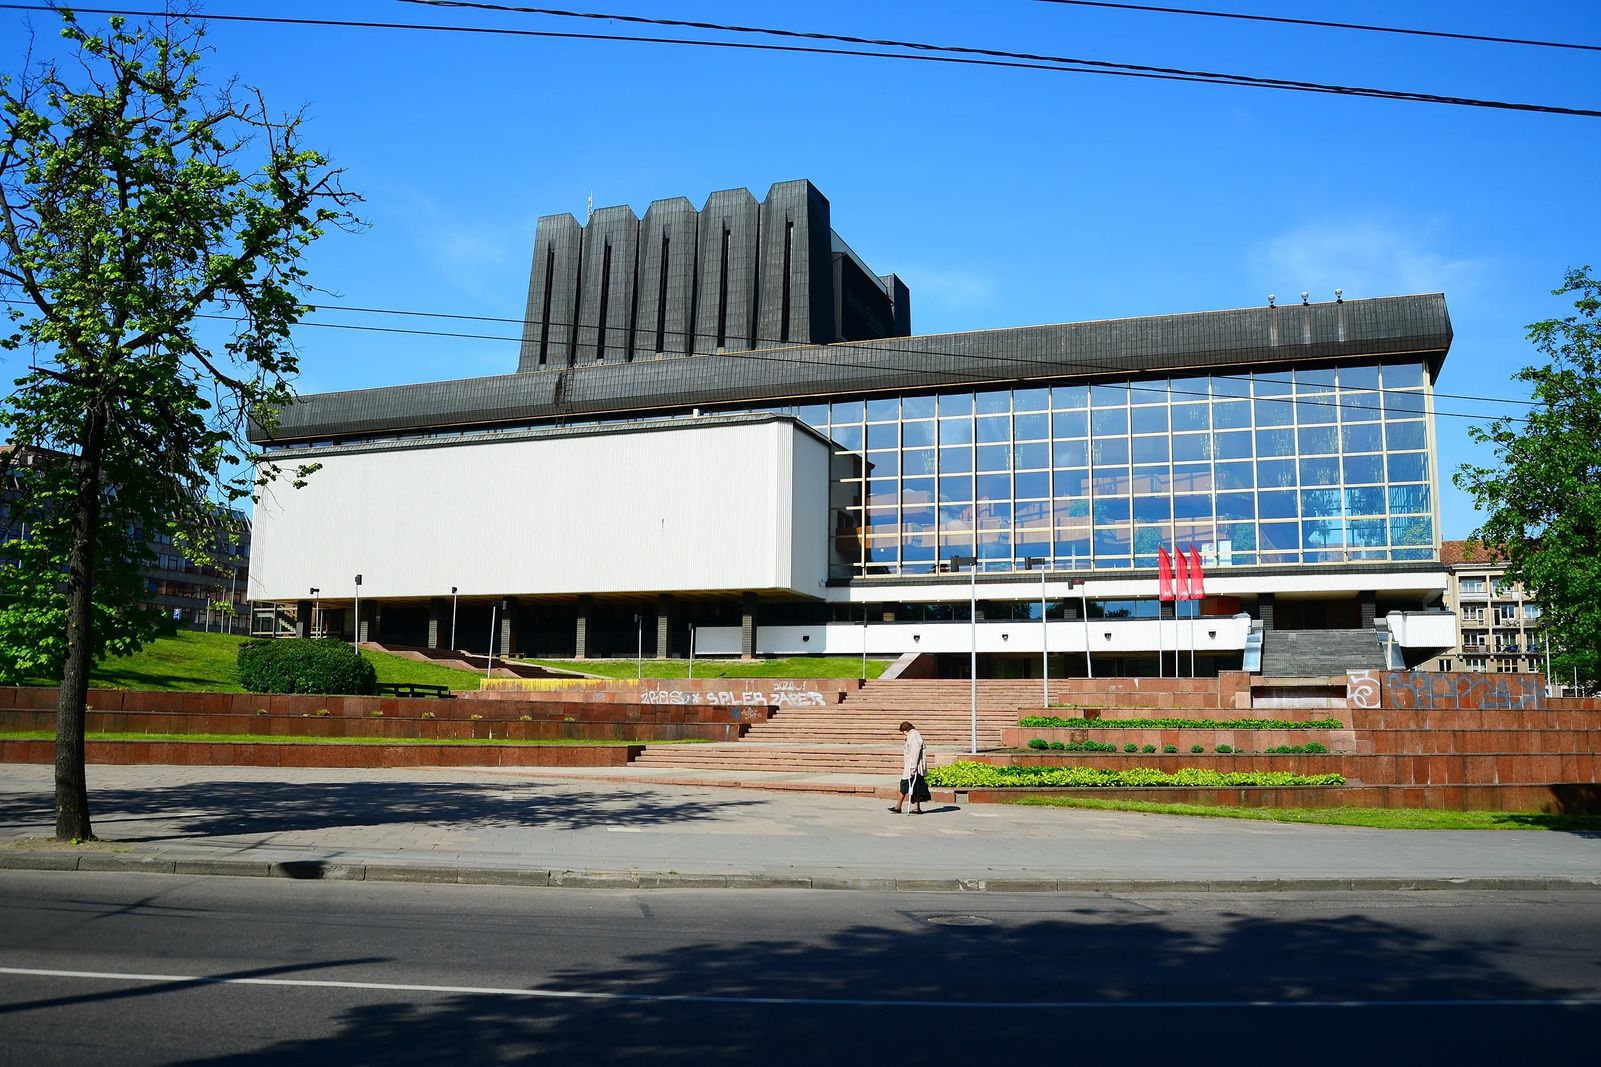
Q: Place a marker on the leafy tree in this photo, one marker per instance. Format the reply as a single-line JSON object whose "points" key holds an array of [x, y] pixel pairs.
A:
{"points": [[137, 204], [1542, 501]]}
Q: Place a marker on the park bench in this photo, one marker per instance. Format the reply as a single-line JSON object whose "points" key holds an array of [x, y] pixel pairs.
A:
{"points": [[414, 689]]}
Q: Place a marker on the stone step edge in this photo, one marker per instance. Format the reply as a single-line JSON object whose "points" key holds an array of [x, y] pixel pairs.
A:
{"points": [[325, 870]]}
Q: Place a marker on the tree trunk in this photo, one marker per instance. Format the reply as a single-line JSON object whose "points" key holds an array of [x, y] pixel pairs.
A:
{"points": [[72, 787]]}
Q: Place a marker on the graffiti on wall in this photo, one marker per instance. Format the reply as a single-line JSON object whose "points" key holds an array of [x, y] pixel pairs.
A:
{"points": [[1361, 689], [781, 695], [1432, 690]]}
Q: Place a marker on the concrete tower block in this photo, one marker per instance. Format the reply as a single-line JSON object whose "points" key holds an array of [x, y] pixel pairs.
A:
{"points": [[606, 304], [796, 293], [725, 315], [553, 282], [900, 298], [666, 318]]}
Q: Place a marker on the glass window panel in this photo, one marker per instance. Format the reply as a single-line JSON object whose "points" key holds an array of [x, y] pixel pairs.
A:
{"points": [[1030, 399], [917, 407], [1231, 416], [1073, 512], [883, 435], [917, 461], [917, 520], [1070, 454], [1147, 392], [1241, 537], [1106, 422], [1365, 438], [1322, 533], [1189, 508], [1147, 539], [993, 402], [1274, 413], [1314, 380], [921, 550], [1273, 384], [1110, 450], [955, 489], [1033, 483], [1360, 469], [1192, 477], [956, 544], [1278, 535], [1413, 530], [995, 515], [994, 430], [1404, 498], [917, 491], [1149, 420], [956, 518], [846, 411], [1403, 436], [883, 409], [1152, 480], [1072, 482], [815, 415], [883, 464], [917, 434], [848, 438], [1358, 406], [1072, 551], [1231, 385], [1407, 467], [1149, 509], [1236, 506], [1315, 439], [1314, 412], [994, 486], [1403, 405], [1235, 445], [1027, 457], [883, 520], [955, 404], [1274, 443], [1368, 500], [1404, 376], [955, 460], [1113, 540], [1365, 533], [1032, 513], [1325, 471], [1188, 389], [955, 431], [1069, 396], [1279, 505], [1191, 446], [1110, 481], [1356, 376], [883, 549], [1114, 509], [1070, 424], [1411, 553], [1319, 503], [1275, 473], [1031, 427], [994, 458], [1191, 417], [1107, 395], [1235, 476], [1150, 449]]}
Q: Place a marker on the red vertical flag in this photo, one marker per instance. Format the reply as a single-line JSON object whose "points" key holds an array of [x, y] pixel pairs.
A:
{"points": [[1197, 579], [1164, 573], [1181, 575]]}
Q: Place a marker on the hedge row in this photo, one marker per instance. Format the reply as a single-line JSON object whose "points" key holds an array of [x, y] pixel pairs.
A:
{"points": [[966, 775], [304, 665], [1177, 724]]}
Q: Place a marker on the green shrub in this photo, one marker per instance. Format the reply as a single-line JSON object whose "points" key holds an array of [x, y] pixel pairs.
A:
{"points": [[1039, 743], [1225, 749], [1316, 746], [1149, 748], [525, 718], [426, 715], [1058, 746], [475, 717], [1042, 721], [1170, 748], [966, 775], [1196, 750], [1310, 748], [1131, 747], [304, 665]]}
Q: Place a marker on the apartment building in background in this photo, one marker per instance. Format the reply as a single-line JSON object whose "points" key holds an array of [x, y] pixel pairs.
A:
{"points": [[1498, 626]]}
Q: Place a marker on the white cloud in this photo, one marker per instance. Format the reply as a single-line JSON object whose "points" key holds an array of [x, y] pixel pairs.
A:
{"points": [[1363, 257]]}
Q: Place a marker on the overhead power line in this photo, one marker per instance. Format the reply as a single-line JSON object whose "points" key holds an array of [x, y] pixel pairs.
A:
{"points": [[1325, 24], [1062, 65]]}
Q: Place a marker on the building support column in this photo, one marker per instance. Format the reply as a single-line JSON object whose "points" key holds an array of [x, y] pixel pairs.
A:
{"points": [[1264, 610], [1367, 604], [747, 626], [586, 605], [508, 631], [303, 618], [438, 613], [664, 624]]}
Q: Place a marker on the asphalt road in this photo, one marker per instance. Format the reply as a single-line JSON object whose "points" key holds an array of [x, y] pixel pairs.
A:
{"points": [[139, 969]]}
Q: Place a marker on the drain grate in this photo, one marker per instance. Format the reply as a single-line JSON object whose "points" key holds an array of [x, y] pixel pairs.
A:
{"points": [[960, 920]]}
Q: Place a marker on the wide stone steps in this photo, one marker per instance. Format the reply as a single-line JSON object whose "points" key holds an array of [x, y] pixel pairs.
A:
{"points": [[743, 756]]}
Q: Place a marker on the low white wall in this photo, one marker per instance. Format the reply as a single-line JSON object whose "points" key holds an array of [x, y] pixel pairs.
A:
{"points": [[1430, 630], [894, 638]]}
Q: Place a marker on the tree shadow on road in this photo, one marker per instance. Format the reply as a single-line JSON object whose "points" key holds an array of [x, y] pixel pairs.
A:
{"points": [[1124, 985]]}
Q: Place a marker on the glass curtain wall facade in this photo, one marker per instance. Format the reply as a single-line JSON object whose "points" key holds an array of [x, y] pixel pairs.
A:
{"points": [[1277, 467]]}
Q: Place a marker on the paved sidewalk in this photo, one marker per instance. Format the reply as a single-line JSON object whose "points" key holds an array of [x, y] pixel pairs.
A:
{"points": [[527, 826]]}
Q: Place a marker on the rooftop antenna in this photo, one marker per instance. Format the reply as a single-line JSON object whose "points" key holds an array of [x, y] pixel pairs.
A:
{"points": [[1306, 297], [1270, 299]]}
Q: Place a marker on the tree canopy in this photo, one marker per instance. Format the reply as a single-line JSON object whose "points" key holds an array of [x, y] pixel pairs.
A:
{"points": [[1541, 499], [152, 231]]}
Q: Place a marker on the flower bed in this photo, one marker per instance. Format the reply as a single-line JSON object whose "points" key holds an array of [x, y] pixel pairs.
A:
{"points": [[969, 775], [1054, 721]]}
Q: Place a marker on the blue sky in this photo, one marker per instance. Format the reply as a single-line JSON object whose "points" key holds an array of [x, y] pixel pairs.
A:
{"points": [[1003, 197]]}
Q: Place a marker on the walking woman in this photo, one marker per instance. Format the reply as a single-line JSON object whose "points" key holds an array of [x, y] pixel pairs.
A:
{"points": [[914, 771]]}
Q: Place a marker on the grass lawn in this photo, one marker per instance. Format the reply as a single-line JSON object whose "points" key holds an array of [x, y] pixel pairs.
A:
{"points": [[201, 662], [788, 667], [291, 739], [1379, 818]]}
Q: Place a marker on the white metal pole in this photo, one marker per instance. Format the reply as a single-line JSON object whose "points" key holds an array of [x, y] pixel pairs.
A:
{"points": [[692, 650], [1045, 638], [355, 634], [639, 647], [453, 645], [972, 621], [1084, 610], [1195, 606], [864, 642], [489, 661], [1547, 638], [1161, 644]]}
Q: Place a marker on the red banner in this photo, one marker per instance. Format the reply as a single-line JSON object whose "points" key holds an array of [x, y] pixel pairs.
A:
{"points": [[1164, 575], [1181, 575], [1197, 579]]}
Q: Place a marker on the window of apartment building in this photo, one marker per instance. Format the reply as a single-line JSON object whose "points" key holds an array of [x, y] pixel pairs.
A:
{"points": [[1474, 638], [1472, 585], [1507, 666], [1473, 614], [1473, 663], [1531, 611], [1507, 614]]}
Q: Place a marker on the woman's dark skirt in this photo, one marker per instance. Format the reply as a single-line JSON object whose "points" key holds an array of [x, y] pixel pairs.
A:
{"points": [[919, 791]]}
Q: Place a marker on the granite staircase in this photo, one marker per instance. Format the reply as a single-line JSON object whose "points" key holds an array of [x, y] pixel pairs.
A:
{"points": [[1320, 653]]}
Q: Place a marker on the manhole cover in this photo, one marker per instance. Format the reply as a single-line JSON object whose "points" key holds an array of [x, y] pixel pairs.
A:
{"points": [[960, 920]]}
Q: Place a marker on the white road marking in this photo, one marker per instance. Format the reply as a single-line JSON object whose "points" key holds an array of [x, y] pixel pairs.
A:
{"points": [[845, 1002], [625, 829]]}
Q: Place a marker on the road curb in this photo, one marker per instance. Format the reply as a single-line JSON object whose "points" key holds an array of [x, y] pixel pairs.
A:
{"points": [[320, 870]]}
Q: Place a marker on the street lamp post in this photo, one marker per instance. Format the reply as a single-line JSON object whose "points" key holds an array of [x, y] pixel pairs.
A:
{"points": [[1084, 610], [1044, 564], [692, 650], [355, 635], [972, 624], [639, 647], [489, 661], [864, 644], [453, 618], [314, 605]]}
